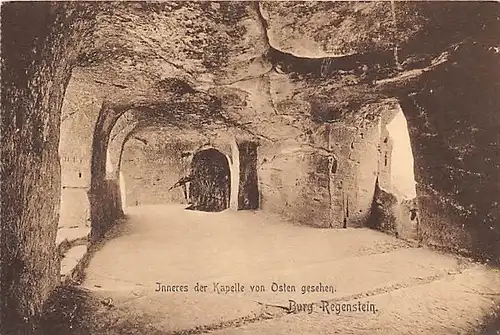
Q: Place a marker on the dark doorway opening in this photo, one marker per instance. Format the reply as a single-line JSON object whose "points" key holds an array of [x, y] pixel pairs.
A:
{"points": [[248, 196], [210, 187]]}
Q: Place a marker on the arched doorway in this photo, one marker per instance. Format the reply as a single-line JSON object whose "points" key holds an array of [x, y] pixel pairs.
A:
{"points": [[210, 187]]}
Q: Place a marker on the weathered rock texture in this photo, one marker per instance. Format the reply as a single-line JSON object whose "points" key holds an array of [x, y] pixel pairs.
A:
{"points": [[39, 46], [328, 178], [152, 167], [248, 181], [456, 136], [311, 86]]}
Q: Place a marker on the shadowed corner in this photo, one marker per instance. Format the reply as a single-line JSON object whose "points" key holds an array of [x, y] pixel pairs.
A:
{"points": [[490, 325], [69, 310]]}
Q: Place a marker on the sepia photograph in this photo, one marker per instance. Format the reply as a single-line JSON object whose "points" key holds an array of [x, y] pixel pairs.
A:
{"points": [[250, 167]]}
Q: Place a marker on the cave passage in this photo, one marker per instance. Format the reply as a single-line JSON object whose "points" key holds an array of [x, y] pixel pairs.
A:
{"points": [[210, 181]]}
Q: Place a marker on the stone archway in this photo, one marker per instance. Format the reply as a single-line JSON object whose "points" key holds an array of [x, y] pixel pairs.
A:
{"points": [[210, 187]]}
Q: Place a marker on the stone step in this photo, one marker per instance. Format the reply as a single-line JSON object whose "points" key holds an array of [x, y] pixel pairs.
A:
{"points": [[73, 263], [68, 237]]}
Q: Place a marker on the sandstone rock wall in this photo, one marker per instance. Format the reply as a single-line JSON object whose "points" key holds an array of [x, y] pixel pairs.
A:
{"points": [[79, 114], [266, 72], [352, 187], [80, 111], [395, 206], [248, 188], [150, 172], [74, 207], [455, 131], [293, 183], [328, 179], [39, 45]]}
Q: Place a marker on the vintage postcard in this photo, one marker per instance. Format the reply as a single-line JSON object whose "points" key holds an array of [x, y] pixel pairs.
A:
{"points": [[238, 167]]}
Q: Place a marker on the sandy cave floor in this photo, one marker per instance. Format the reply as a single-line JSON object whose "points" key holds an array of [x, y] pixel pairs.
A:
{"points": [[410, 290]]}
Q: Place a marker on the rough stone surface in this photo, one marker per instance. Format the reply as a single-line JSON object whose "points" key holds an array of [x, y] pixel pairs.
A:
{"points": [[273, 75], [71, 260], [149, 174], [152, 163], [39, 46], [302, 80], [75, 207], [457, 169], [72, 234]]}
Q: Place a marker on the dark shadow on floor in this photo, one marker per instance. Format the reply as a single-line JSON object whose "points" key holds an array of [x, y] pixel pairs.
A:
{"points": [[74, 311], [491, 324], [209, 207], [69, 311]]}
